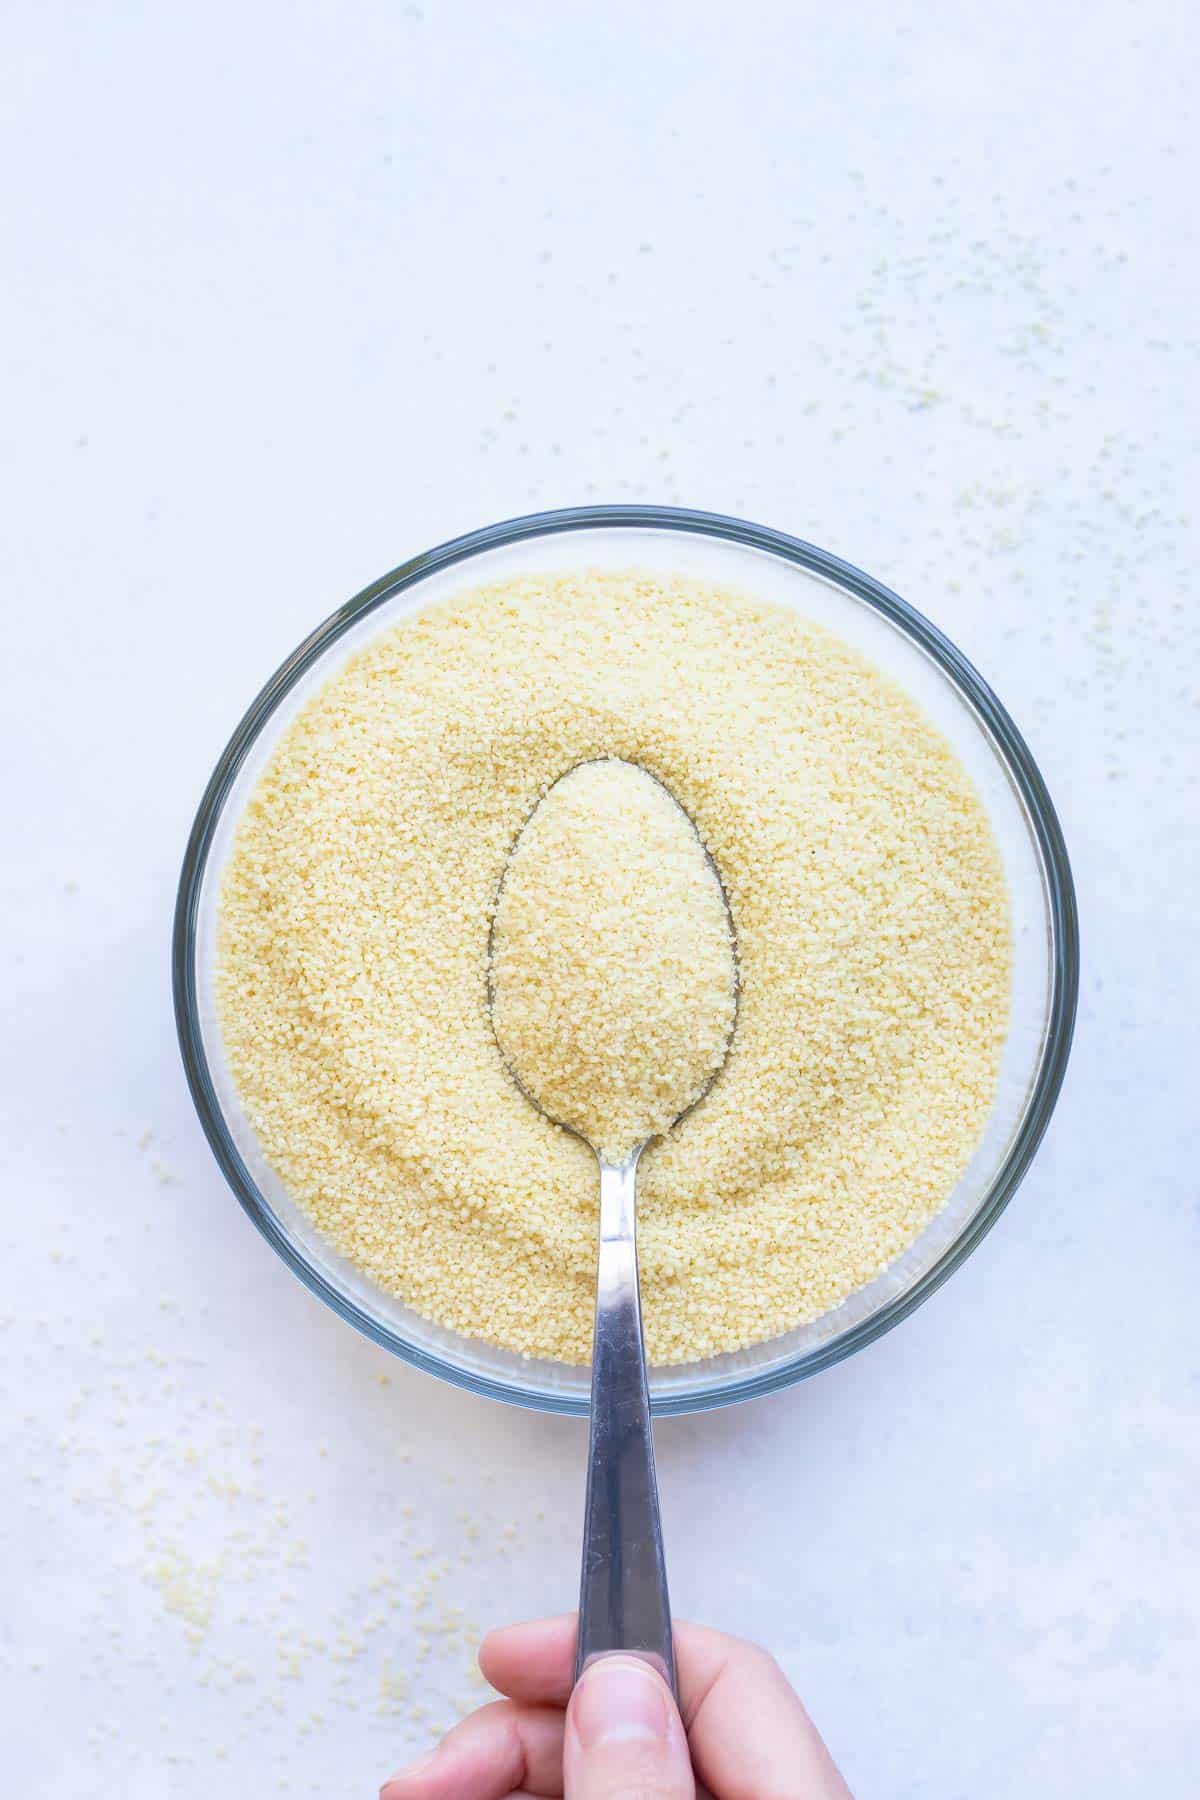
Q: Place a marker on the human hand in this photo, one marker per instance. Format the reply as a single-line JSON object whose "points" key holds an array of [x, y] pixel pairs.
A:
{"points": [[743, 1734]]}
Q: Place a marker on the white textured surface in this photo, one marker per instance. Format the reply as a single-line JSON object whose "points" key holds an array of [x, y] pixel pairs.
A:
{"points": [[300, 290]]}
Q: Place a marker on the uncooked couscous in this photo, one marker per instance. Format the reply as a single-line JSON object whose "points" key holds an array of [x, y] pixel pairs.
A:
{"points": [[869, 912], [613, 980]]}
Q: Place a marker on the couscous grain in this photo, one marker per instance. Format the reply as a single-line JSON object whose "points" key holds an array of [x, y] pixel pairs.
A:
{"points": [[870, 916]]}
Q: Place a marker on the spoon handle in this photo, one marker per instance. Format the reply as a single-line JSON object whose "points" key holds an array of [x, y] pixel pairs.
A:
{"points": [[623, 1602]]}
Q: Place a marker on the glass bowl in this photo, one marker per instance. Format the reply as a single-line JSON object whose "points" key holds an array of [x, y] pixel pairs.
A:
{"points": [[895, 638]]}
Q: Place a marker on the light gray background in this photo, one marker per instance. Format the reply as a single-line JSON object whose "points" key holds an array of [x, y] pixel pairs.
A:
{"points": [[295, 291]]}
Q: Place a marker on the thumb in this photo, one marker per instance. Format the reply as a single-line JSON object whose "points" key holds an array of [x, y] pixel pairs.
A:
{"points": [[624, 1736]]}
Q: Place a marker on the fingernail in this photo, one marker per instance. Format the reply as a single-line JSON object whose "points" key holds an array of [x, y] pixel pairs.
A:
{"points": [[619, 1698]]}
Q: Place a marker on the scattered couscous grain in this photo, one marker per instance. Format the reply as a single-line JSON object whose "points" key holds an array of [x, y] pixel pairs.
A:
{"points": [[613, 981], [872, 931]]}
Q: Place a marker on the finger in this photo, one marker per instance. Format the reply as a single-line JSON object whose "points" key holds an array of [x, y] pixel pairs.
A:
{"points": [[748, 1731], [534, 1661], [500, 1748], [625, 1736]]}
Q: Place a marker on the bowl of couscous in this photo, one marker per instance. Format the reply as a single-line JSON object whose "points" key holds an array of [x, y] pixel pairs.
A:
{"points": [[904, 915]]}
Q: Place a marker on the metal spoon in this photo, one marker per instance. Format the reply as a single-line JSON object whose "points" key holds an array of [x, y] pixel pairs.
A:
{"points": [[623, 1599]]}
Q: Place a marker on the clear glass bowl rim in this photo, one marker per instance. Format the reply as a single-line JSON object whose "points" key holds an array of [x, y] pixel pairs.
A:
{"points": [[1023, 771]]}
